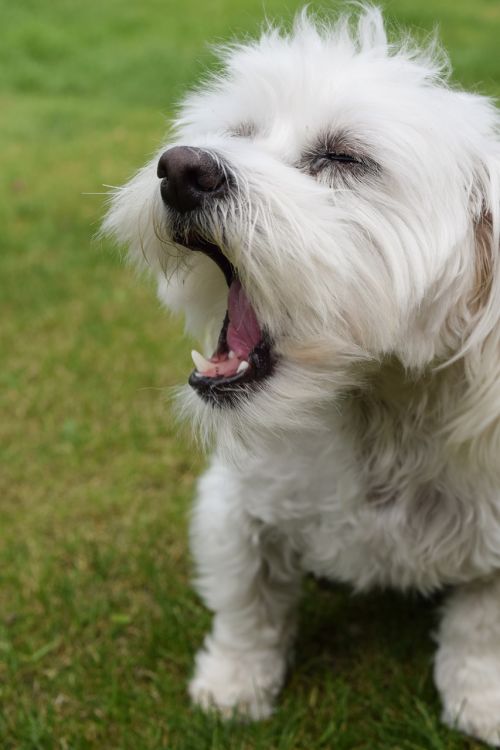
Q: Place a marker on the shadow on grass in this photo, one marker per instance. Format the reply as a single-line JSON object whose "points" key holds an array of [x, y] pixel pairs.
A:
{"points": [[346, 632], [361, 680]]}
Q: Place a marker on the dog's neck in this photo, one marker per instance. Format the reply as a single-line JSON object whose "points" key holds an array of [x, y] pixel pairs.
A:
{"points": [[410, 416], [391, 386]]}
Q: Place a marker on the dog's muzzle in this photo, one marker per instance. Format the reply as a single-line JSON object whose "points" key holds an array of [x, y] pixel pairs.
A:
{"points": [[190, 177]]}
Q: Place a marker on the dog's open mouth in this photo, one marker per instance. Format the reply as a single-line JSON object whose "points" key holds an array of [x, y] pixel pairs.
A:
{"points": [[244, 354]]}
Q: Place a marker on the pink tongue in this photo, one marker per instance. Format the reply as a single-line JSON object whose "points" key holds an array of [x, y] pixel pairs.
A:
{"points": [[243, 333]]}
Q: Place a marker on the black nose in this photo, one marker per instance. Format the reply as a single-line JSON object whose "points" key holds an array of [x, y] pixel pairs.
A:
{"points": [[189, 176]]}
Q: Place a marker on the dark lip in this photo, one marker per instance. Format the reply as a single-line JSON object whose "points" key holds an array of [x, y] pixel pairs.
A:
{"points": [[226, 391], [198, 244]]}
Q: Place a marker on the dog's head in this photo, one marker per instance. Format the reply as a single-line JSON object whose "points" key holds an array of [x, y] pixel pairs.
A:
{"points": [[326, 201]]}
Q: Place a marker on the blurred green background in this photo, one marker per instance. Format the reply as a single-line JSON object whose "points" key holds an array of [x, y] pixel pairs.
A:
{"points": [[98, 624]]}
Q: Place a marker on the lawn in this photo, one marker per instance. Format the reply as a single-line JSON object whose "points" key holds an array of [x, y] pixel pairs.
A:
{"points": [[98, 624]]}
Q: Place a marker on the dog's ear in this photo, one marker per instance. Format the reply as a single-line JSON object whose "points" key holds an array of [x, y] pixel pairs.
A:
{"points": [[484, 301], [484, 262], [475, 424]]}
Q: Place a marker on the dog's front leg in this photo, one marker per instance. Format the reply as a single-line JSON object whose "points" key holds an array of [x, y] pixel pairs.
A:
{"points": [[467, 669], [249, 578]]}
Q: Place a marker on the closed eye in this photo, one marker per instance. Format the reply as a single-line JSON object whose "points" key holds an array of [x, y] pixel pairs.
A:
{"points": [[339, 156], [342, 158], [334, 160], [330, 165]]}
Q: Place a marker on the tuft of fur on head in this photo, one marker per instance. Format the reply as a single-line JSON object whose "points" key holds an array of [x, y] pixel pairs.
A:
{"points": [[396, 258]]}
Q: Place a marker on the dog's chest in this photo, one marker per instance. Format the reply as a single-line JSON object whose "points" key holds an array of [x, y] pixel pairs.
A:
{"points": [[379, 501]]}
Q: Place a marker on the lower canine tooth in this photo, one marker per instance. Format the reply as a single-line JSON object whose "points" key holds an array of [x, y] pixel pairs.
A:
{"points": [[231, 355], [242, 367], [200, 362]]}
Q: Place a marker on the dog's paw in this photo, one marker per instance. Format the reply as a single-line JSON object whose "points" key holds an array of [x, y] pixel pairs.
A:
{"points": [[470, 692], [242, 686], [477, 715]]}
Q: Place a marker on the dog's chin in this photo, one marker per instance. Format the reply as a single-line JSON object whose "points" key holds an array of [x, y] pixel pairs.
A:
{"points": [[244, 356]]}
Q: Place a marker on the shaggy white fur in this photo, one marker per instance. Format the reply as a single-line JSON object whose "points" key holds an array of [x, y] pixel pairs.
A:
{"points": [[363, 219]]}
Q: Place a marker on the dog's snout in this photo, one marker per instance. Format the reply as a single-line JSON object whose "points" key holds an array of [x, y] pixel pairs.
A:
{"points": [[189, 176]]}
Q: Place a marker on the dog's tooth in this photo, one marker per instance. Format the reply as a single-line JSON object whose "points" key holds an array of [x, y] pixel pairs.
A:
{"points": [[231, 355], [200, 362], [242, 367]]}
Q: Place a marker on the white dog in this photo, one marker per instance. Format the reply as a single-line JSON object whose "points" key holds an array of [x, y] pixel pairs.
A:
{"points": [[350, 200]]}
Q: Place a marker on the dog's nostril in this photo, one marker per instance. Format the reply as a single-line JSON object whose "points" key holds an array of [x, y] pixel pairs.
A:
{"points": [[208, 180], [189, 177], [161, 169]]}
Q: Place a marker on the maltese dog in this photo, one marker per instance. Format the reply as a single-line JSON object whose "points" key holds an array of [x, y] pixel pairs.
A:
{"points": [[326, 215]]}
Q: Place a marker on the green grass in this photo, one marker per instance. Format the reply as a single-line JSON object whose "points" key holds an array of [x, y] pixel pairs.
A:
{"points": [[98, 624]]}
